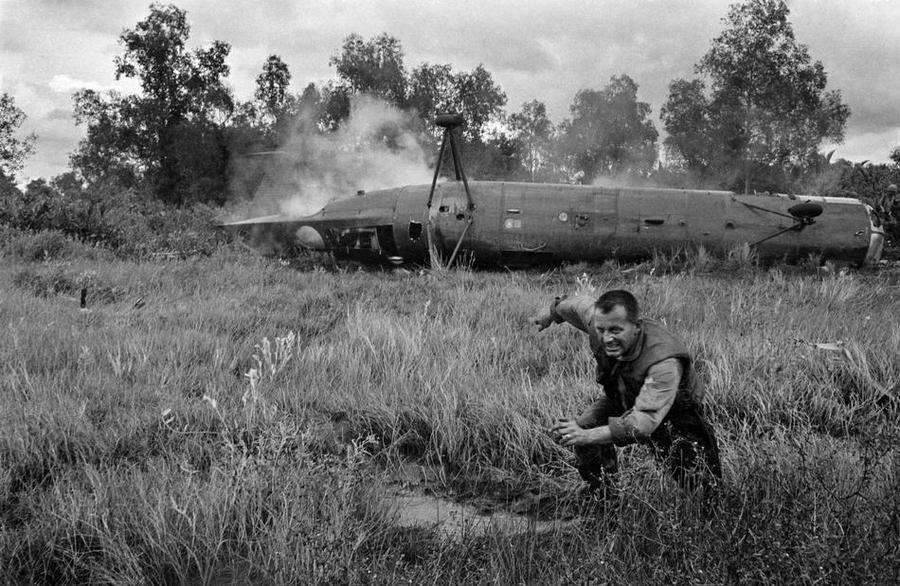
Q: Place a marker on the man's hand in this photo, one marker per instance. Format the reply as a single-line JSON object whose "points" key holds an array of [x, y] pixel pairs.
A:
{"points": [[569, 433], [543, 321]]}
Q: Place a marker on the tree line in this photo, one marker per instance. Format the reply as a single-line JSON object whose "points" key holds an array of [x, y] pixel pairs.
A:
{"points": [[753, 119]]}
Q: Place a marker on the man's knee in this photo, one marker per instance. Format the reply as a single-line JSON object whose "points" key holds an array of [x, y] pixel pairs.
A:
{"points": [[596, 460], [693, 464]]}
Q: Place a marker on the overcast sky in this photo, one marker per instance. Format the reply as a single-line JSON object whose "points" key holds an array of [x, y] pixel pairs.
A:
{"points": [[535, 49]]}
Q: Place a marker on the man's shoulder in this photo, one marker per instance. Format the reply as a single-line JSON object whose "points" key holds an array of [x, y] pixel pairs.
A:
{"points": [[662, 342], [657, 327]]}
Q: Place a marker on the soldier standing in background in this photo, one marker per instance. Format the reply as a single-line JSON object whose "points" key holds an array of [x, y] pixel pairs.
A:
{"points": [[650, 394]]}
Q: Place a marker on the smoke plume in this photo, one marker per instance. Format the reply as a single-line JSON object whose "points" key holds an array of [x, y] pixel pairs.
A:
{"points": [[376, 147]]}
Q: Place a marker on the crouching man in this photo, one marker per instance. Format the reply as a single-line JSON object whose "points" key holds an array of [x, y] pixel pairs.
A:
{"points": [[650, 394]]}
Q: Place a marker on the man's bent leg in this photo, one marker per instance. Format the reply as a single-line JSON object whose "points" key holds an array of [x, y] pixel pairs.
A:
{"points": [[598, 466], [691, 456]]}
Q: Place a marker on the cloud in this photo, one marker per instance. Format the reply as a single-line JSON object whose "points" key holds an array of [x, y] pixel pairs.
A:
{"points": [[870, 146], [59, 114], [67, 84], [538, 49], [858, 46]]}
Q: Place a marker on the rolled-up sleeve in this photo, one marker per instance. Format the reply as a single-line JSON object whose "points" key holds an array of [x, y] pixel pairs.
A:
{"points": [[651, 405], [574, 310]]}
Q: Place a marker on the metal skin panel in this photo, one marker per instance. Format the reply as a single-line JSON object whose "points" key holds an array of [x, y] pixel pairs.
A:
{"points": [[410, 222], [527, 230], [663, 219], [449, 214], [526, 223]]}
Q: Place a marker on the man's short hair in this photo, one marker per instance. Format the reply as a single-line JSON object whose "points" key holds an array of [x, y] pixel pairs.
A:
{"points": [[611, 299]]}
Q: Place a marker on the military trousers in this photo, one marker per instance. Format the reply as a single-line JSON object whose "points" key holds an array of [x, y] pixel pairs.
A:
{"points": [[684, 443]]}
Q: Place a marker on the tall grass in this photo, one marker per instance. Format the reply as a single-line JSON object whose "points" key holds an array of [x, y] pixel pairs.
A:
{"points": [[234, 420]]}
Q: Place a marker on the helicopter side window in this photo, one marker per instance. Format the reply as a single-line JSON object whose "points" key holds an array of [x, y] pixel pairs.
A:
{"points": [[415, 230], [359, 239]]}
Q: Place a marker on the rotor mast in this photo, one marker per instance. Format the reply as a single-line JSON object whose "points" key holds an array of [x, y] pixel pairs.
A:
{"points": [[449, 122]]}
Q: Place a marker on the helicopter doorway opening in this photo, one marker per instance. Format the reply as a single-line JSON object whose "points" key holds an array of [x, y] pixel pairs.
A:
{"points": [[367, 243]]}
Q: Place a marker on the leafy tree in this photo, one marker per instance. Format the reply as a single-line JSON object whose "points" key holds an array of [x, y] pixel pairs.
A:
{"points": [[494, 158], [178, 85], [272, 85], [432, 91], [264, 122], [479, 100], [274, 106], [311, 109], [172, 134], [533, 132], [376, 67], [13, 151], [373, 67], [437, 89], [609, 133], [768, 110], [8, 191], [310, 99], [112, 147], [335, 105], [689, 143]]}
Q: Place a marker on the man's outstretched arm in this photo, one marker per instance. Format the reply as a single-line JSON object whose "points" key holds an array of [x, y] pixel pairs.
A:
{"points": [[574, 310]]}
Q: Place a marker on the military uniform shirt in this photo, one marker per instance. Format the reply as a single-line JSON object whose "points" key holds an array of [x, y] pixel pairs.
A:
{"points": [[657, 394]]}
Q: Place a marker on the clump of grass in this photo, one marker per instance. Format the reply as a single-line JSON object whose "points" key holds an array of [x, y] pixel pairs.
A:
{"points": [[46, 282], [59, 278]]}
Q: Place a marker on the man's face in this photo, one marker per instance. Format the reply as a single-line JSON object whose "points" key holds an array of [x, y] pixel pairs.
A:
{"points": [[616, 333]]}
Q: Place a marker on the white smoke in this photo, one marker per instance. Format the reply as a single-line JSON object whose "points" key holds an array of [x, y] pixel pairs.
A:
{"points": [[375, 148], [621, 180]]}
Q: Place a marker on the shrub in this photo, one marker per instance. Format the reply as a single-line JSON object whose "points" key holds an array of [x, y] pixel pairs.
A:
{"points": [[40, 246], [129, 221]]}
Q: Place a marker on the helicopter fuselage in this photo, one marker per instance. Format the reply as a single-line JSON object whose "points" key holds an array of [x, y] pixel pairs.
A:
{"points": [[524, 224]]}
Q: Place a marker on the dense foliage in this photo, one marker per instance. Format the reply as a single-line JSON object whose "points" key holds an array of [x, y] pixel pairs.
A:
{"points": [[50, 221]]}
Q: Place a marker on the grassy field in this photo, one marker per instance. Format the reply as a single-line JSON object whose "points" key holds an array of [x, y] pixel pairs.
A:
{"points": [[237, 420]]}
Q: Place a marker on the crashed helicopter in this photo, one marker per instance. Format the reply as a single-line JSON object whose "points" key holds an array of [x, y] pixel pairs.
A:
{"points": [[524, 224]]}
